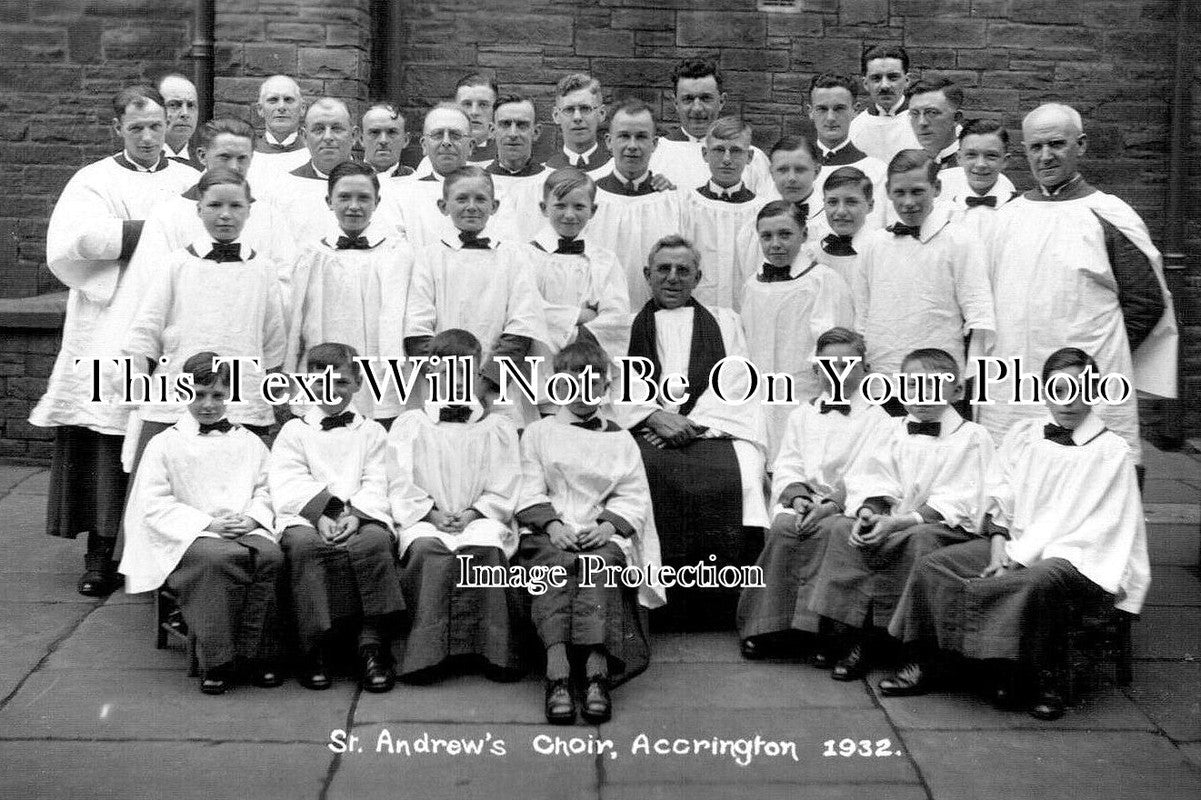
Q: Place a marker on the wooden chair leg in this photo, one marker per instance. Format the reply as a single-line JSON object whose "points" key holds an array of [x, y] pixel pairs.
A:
{"points": [[160, 620]]}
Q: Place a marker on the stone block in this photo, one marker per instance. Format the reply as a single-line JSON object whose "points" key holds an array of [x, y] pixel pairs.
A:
{"points": [[724, 29], [592, 42], [956, 33], [322, 62]]}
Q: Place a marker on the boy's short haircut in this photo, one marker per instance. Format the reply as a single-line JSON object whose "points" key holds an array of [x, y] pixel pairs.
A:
{"points": [[477, 79], [566, 180], [910, 160], [985, 127], [950, 90], [934, 359], [1066, 358], [332, 354], [348, 168], [456, 342], [672, 241], [221, 177], [579, 354], [466, 173], [575, 82], [849, 176], [782, 208], [833, 80], [692, 68], [805, 140], [728, 128], [225, 126], [200, 367], [885, 51], [137, 96], [510, 99], [841, 335]]}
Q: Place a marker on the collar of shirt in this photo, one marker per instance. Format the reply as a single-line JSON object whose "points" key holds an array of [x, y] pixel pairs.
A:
{"points": [[725, 190], [188, 424], [433, 409], [885, 112], [1066, 186], [681, 135], [313, 416], [289, 139], [939, 218], [949, 422], [637, 182], [1090, 428], [203, 245], [450, 236], [856, 400], [183, 152], [373, 233], [548, 239], [124, 160], [568, 417], [527, 169], [398, 171], [829, 151], [947, 152], [574, 158]]}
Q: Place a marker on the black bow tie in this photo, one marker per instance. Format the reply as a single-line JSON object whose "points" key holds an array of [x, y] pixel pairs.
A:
{"points": [[842, 408], [901, 229], [593, 423], [988, 200], [337, 421], [774, 274], [347, 243], [473, 241], [802, 210], [221, 426], [454, 413], [225, 251], [837, 245], [571, 247], [925, 429], [1058, 434]]}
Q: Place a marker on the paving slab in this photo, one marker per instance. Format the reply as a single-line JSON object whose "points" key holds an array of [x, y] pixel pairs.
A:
{"points": [[1170, 694], [739, 686], [121, 598], [1170, 490], [464, 698], [37, 485], [1168, 632], [1174, 586], [708, 648], [1098, 765], [804, 729], [507, 765], [1180, 466], [117, 636], [27, 631], [166, 704], [41, 587], [775, 791], [11, 475], [1192, 753], [1172, 543], [181, 771]]}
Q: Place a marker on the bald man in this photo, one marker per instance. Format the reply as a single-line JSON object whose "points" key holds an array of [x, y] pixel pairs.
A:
{"points": [[281, 148], [1073, 266], [179, 94]]}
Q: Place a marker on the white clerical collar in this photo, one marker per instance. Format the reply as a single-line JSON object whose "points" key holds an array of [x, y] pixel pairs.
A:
{"points": [[680, 312], [433, 409], [317, 172], [1089, 429], [829, 151], [891, 112], [939, 218], [855, 399], [285, 142], [203, 245], [181, 153], [950, 421], [636, 183], [724, 191], [141, 168], [1070, 183], [548, 239], [373, 233], [689, 136], [188, 424], [574, 158], [313, 416], [947, 152]]}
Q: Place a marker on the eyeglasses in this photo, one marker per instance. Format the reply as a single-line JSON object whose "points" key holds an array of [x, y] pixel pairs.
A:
{"points": [[445, 134]]}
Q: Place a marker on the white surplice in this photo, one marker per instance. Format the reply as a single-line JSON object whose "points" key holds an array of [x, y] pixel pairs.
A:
{"points": [[978, 220], [748, 254], [713, 226], [681, 163], [882, 137], [1080, 503], [185, 480], [630, 226], [519, 197]]}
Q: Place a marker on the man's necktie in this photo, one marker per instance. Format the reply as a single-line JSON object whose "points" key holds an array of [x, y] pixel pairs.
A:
{"points": [[593, 423], [842, 408], [473, 241], [457, 413], [988, 200], [225, 251], [1058, 434], [337, 421], [347, 243], [837, 245], [925, 428], [901, 229], [571, 247], [221, 426]]}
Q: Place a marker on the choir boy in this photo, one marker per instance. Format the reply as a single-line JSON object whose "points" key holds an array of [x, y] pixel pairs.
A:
{"points": [[630, 214], [1065, 532], [329, 485], [282, 147], [831, 109], [883, 129], [921, 489], [848, 198], [977, 187], [714, 212], [93, 231], [584, 492], [786, 306], [476, 95], [518, 178], [351, 286], [454, 471], [823, 440], [579, 111], [935, 110], [216, 294], [199, 521]]}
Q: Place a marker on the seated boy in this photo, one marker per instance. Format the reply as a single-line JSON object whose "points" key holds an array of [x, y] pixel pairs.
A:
{"points": [[329, 486], [822, 442], [454, 470], [921, 490], [1065, 529], [847, 197], [199, 521], [584, 490]]}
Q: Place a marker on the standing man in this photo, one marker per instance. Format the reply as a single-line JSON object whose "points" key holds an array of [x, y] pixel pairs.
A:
{"points": [[882, 129], [518, 178], [183, 108], [699, 99], [384, 137], [476, 94], [935, 110], [1073, 266], [831, 109], [93, 231], [579, 111], [281, 148]]}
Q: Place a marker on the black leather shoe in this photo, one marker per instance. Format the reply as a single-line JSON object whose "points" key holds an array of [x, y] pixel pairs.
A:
{"points": [[820, 659], [909, 680], [98, 583], [1048, 705], [852, 666], [375, 671], [560, 706], [751, 649], [216, 680], [312, 674], [265, 675], [598, 706]]}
